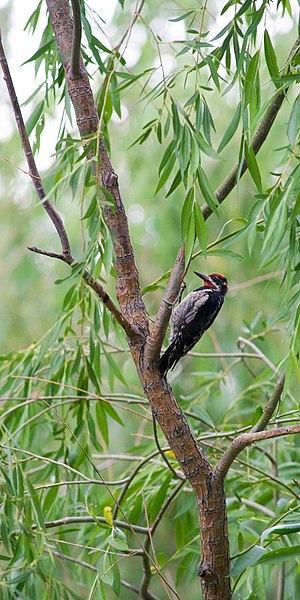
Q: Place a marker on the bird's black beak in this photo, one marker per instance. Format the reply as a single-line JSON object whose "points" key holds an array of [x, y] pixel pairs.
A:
{"points": [[205, 278]]}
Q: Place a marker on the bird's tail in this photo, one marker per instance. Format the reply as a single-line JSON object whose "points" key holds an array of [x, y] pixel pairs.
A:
{"points": [[168, 359]]}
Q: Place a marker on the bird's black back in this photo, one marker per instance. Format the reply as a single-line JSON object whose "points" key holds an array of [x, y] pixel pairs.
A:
{"points": [[189, 321]]}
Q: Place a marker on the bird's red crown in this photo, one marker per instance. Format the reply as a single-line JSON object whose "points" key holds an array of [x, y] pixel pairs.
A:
{"points": [[214, 278]]}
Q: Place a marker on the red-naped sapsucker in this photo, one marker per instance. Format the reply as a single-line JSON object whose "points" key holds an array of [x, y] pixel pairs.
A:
{"points": [[192, 317]]}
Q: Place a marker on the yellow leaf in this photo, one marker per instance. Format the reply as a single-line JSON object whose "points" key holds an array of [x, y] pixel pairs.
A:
{"points": [[107, 513], [170, 453]]}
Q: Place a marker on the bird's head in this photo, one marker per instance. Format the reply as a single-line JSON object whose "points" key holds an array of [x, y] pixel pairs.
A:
{"points": [[214, 280]]}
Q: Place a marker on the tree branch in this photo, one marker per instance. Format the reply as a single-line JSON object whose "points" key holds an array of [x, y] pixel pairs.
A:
{"points": [[246, 439], [156, 338], [95, 520], [33, 172], [95, 285], [243, 341], [259, 138], [81, 95], [270, 407], [76, 39]]}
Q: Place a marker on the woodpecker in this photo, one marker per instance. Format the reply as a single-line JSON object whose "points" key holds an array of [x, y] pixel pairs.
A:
{"points": [[192, 317]]}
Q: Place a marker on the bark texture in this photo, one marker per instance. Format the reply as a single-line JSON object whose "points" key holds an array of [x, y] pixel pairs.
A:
{"points": [[215, 558]]}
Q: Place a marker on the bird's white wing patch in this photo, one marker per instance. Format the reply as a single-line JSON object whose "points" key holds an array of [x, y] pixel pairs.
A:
{"points": [[180, 317], [196, 306], [201, 300]]}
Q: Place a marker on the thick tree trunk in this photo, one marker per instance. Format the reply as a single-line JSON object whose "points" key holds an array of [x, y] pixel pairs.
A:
{"points": [[214, 565], [215, 561]]}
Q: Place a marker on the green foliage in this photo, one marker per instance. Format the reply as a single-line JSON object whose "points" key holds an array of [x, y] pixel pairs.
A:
{"points": [[76, 431]]}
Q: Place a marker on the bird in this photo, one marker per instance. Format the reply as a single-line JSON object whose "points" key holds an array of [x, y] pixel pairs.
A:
{"points": [[192, 317]]}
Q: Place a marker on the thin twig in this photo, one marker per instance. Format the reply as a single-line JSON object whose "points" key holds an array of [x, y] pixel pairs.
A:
{"points": [[131, 478], [147, 576], [47, 459], [147, 571], [165, 505], [83, 519], [95, 285], [76, 40], [256, 280], [86, 565], [242, 340], [65, 258], [130, 586]]}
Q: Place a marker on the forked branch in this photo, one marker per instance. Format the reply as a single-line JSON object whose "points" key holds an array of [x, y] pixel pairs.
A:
{"points": [[246, 439], [65, 255], [256, 434]]}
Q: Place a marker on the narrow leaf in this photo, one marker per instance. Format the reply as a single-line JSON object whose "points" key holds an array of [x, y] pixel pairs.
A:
{"points": [[294, 123], [166, 172], [270, 57], [207, 190], [281, 530], [200, 228], [250, 77], [231, 129], [175, 183], [253, 166], [280, 555], [247, 560], [187, 210], [34, 117]]}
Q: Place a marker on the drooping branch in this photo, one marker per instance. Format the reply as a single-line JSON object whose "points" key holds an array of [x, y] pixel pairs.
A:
{"points": [[246, 439], [81, 95], [259, 138], [33, 172], [76, 40]]}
